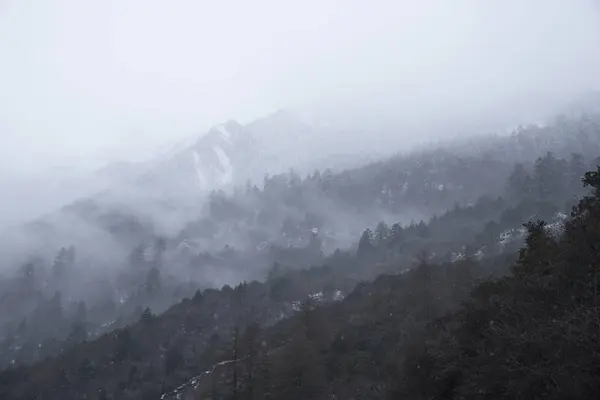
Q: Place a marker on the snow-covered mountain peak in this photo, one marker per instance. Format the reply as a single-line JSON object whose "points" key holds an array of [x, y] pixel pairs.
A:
{"points": [[227, 133], [230, 154]]}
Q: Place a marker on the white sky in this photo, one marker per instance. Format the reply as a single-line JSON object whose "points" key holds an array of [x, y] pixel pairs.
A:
{"points": [[86, 81]]}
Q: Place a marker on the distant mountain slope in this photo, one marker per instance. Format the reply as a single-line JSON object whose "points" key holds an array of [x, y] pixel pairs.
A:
{"points": [[136, 252], [325, 333], [169, 195], [231, 154]]}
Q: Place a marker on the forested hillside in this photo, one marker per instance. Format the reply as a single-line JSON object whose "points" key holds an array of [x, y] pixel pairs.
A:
{"points": [[445, 306]]}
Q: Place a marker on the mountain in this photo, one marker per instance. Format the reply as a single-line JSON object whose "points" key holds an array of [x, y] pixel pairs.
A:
{"points": [[228, 154], [466, 203], [214, 161], [231, 154], [94, 266], [122, 204], [164, 195], [437, 329]]}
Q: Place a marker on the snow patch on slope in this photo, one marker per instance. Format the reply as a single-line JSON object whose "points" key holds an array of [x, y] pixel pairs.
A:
{"points": [[226, 176], [202, 182], [556, 228], [194, 382], [511, 235]]}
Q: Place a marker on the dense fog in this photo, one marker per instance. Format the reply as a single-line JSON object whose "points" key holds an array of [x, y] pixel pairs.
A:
{"points": [[85, 84], [153, 152]]}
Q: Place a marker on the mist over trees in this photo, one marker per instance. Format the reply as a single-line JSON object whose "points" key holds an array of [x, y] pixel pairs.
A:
{"points": [[327, 284], [320, 200]]}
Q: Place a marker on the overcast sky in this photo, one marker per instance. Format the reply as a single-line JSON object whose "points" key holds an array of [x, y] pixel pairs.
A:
{"points": [[86, 81]]}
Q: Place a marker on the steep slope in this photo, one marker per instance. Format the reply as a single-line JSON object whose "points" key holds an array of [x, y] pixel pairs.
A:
{"points": [[356, 340], [212, 162], [231, 154], [292, 221]]}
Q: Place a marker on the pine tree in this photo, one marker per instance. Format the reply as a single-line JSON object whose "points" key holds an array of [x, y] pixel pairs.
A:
{"points": [[197, 297], [366, 247], [396, 234], [549, 176], [520, 183], [63, 263], [535, 258], [235, 343], [251, 357], [422, 230], [382, 233], [577, 171], [153, 281], [300, 370]]}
